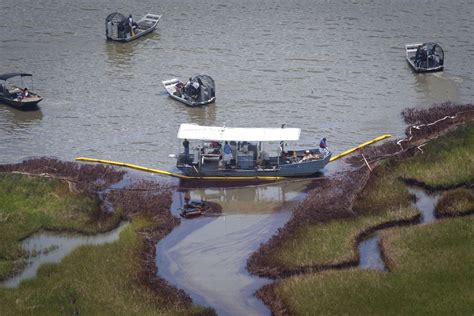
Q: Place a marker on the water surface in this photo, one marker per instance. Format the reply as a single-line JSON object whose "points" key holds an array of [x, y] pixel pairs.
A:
{"points": [[207, 256], [334, 69], [51, 247]]}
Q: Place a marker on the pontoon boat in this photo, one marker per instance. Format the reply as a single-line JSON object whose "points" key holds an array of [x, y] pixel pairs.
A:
{"points": [[207, 156]]}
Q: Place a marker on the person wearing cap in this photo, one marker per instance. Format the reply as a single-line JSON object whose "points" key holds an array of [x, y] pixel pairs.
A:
{"points": [[307, 156], [323, 144]]}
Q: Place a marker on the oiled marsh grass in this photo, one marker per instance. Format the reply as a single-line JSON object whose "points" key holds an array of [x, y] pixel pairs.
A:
{"points": [[455, 202], [28, 204], [94, 280], [431, 274], [334, 241], [384, 192], [445, 162]]}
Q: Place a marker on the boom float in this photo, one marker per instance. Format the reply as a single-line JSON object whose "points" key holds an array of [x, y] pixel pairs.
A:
{"points": [[181, 176]]}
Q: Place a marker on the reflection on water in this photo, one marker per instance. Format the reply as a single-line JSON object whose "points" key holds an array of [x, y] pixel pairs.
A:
{"points": [[265, 198], [50, 247], [20, 125], [205, 115], [370, 255], [425, 203], [13, 118], [207, 256], [437, 87]]}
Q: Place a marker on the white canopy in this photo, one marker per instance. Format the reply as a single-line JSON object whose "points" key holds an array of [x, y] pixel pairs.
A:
{"points": [[222, 133]]}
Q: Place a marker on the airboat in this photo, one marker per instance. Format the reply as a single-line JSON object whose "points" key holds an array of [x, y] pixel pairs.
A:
{"points": [[18, 97], [199, 90], [205, 154], [425, 57], [119, 28]]}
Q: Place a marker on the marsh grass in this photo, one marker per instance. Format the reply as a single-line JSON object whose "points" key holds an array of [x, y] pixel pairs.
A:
{"points": [[432, 274], [384, 199], [446, 162], [29, 204], [455, 202], [94, 280], [334, 241], [384, 192]]}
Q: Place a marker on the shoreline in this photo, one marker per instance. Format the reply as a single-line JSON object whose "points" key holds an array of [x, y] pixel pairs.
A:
{"points": [[134, 200], [339, 192], [339, 206]]}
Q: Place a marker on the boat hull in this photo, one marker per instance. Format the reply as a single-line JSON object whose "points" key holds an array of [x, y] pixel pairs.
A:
{"points": [[423, 70], [192, 103], [302, 169], [21, 105], [131, 38]]}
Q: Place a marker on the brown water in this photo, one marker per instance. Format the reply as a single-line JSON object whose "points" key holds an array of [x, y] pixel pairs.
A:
{"points": [[335, 69], [207, 256]]}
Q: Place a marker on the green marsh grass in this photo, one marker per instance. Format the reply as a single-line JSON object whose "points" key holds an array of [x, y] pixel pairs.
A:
{"points": [[385, 199], [94, 280], [431, 275], [29, 204], [455, 202], [447, 161], [334, 241]]}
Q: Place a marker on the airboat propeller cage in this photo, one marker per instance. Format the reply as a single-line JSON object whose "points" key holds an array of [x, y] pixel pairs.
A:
{"points": [[119, 21], [223, 133], [427, 50]]}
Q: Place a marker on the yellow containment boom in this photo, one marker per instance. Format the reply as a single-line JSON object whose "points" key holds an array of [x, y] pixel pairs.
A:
{"points": [[176, 175], [181, 176], [347, 152]]}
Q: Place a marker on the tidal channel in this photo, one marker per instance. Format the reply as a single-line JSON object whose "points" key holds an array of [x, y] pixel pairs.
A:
{"points": [[207, 256], [369, 251], [52, 247]]}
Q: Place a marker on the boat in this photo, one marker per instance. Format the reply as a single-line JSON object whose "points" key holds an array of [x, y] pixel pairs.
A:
{"points": [[193, 209], [248, 158], [18, 97], [205, 92], [118, 28], [425, 57]]}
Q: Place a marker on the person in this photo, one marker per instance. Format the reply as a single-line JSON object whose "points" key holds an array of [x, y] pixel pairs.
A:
{"points": [[307, 156], [188, 88], [26, 93], [186, 150], [227, 154], [131, 25], [220, 164], [281, 148], [323, 144], [197, 89], [179, 89]]}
